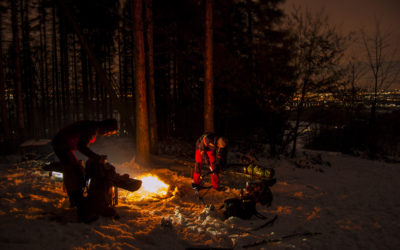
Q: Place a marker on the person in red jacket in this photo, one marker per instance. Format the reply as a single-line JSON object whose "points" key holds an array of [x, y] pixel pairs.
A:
{"points": [[78, 136], [210, 150]]}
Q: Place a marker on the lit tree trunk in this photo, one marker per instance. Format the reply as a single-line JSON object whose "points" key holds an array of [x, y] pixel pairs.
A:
{"points": [[151, 90], [17, 64], [142, 124], [3, 104], [209, 84]]}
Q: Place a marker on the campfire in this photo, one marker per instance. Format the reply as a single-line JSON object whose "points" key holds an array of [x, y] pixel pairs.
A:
{"points": [[152, 188]]}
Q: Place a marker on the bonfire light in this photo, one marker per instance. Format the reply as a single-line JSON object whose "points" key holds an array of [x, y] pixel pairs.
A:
{"points": [[152, 187], [152, 184]]}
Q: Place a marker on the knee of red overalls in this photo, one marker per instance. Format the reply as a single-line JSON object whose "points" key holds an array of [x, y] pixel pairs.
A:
{"points": [[211, 157], [215, 180], [197, 168], [198, 157], [197, 174], [214, 176]]}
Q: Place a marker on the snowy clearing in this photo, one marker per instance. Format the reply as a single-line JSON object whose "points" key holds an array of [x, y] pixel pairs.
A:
{"points": [[350, 203]]}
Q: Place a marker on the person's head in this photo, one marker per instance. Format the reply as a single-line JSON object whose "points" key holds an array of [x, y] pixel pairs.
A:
{"points": [[108, 127], [222, 142]]}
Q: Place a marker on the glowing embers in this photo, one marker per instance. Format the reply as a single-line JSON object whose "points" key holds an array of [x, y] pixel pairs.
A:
{"points": [[152, 188]]}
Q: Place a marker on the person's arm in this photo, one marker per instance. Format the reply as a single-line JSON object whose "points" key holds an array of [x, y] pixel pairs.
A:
{"points": [[203, 153], [221, 156], [205, 156], [83, 144]]}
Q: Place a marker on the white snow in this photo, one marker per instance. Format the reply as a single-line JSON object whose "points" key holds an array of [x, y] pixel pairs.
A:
{"points": [[351, 204]]}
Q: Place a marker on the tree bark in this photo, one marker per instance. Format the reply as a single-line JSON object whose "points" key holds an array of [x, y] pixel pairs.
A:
{"points": [[75, 68], [142, 125], [85, 84], [64, 70], [42, 66], [151, 84], [3, 104], [46, 72], [17, 64], [56, 91], [209, 84]]}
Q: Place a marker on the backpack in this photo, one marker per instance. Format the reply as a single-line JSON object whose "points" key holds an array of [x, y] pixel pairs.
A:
{"points": [[101, 189], [243, 208], [260, 192]]}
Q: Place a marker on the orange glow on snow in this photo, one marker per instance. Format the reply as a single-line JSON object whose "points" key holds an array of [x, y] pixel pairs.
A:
{"points": [[152, 187]]}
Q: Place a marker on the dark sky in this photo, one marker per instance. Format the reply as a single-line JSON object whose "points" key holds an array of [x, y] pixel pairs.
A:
{"points": [[351, 15]]}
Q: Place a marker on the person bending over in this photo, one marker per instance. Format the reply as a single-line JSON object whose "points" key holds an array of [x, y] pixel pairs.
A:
{"points": [[210, 150], [78, 136]]}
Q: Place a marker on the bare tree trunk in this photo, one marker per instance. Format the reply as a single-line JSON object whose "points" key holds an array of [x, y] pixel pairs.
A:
{"points": [[91, 92], [98, 97], [3, 104], [209, 84], [142, 122], [42, 64], [151, 84], [85, 85], [298, 116], [120, 66], [64, 70], [28, 73], [108, 101], [46, 102], [75, 67], [17, 64], [382, 61], [56, 92]]}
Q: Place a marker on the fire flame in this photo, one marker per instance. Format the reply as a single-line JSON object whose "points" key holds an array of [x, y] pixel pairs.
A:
{"points": [[152, 187], [152, 184]]}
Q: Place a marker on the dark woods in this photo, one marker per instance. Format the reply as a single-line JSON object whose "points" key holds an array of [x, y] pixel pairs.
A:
{"points": [[67, 60]]}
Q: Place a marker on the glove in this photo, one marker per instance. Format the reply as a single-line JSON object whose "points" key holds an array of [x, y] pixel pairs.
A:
{"points": [[102, 159]]}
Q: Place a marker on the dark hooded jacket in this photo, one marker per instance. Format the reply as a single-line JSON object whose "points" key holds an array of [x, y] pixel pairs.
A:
{"points": [[77, 136]]}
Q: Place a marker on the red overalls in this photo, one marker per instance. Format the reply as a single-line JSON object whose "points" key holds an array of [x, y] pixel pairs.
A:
{"points": [[206, 154]]}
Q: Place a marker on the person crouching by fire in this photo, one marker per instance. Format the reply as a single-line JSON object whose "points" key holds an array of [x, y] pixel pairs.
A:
{"points": [[78, 136], [210, 150]]}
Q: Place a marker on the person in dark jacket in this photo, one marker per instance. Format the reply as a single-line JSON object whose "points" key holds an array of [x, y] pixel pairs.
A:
{"points": [[210, 150], [78, 136]]}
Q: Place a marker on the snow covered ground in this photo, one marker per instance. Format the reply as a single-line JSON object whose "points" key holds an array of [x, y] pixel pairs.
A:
{"points": [[350, 203]]}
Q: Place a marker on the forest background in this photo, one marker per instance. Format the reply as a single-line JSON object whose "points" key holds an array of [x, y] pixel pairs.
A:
{"points": [[170, 70]]}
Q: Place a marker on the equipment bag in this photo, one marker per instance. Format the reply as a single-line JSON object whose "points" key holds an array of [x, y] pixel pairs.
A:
{"points": [[260, 192], [243, 208]]}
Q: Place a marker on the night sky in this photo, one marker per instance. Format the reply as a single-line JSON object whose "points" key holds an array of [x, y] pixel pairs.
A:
{"points": [[352, 15]]}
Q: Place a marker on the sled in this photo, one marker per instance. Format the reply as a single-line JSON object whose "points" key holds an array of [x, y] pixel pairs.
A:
{"points": [[120, 181], [199, 187]]}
